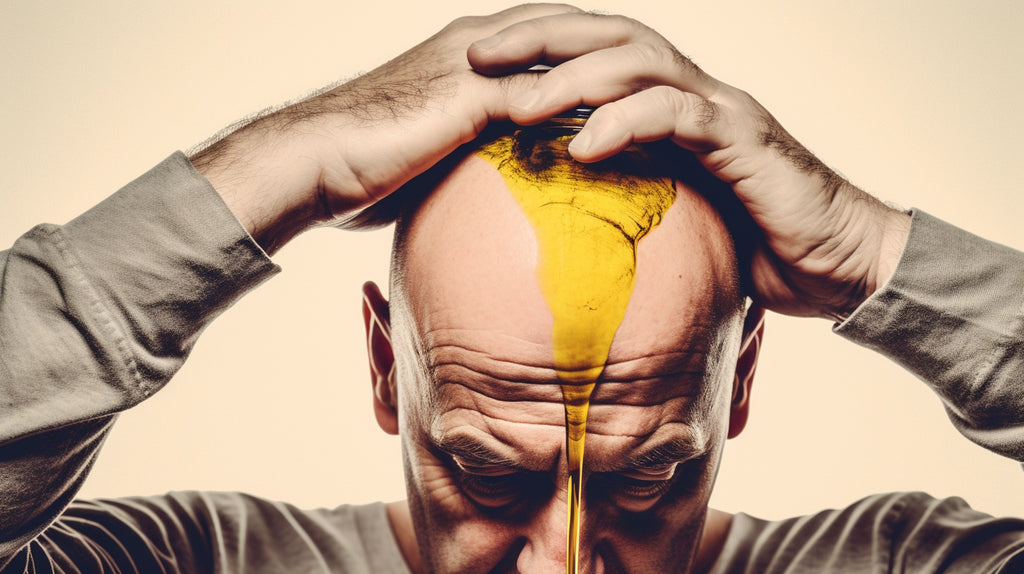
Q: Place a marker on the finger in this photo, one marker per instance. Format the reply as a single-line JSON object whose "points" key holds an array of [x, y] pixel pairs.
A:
{"points": [[499, 93], [689, 120], [489, 26], [529, 11], [607, 75], [552, 40]]}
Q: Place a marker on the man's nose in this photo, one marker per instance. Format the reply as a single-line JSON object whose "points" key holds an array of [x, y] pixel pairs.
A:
{"points": [[546, 547]]}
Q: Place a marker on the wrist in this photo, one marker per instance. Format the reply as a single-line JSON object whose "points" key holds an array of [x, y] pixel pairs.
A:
{"points": [[882, 250], [267, 178], [895, 231]]}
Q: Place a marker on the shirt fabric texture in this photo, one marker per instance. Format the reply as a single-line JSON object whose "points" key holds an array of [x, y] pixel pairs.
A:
{"points": [[98, 314]]}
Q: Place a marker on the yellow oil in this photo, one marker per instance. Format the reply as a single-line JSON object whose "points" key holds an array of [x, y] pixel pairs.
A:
{"points": [[587, 220]]}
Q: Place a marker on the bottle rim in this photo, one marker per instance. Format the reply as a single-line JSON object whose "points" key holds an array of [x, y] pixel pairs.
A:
{"points": [[570, 121]]}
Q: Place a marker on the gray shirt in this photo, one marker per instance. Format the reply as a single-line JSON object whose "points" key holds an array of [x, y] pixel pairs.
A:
{"points": [[98, 314]]}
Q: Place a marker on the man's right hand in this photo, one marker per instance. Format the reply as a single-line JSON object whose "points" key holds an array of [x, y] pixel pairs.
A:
{"points": [[825, 245], [342, 150]]}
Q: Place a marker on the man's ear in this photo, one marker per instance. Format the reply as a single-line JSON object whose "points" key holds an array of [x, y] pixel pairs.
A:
{"points": [[746, 364], [377, 320]]}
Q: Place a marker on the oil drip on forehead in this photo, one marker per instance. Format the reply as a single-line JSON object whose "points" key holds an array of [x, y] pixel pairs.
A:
{"points": [[587, 221]]}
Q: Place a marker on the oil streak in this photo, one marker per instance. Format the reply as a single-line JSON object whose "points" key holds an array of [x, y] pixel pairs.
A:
{"points": [[587, 220]]}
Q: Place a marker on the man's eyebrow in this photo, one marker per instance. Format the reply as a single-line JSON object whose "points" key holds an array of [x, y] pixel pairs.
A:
{"points": [[472, 451], [679, 448]]}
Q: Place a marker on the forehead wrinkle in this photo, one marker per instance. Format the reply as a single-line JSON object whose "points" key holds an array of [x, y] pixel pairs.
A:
{"points": [[507, 422], [436, 334], [647, 392], [470, 449], [643, 420], [466, 353], [504, 443], [655, 364], [495, 435], [497, 390], [691, 334], [488, 417], [449, 378], [486, 364], [668, 443]]}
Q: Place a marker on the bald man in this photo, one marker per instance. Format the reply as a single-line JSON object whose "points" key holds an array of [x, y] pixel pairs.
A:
{"points": [[98, 314], [467, 377]]}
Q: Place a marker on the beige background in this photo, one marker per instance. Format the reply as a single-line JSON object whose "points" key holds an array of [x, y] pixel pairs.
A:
{"points": [[915, 101]]}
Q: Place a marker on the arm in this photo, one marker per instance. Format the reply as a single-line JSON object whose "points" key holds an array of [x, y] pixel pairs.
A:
{"points": [[952, 315], [97, 315]]}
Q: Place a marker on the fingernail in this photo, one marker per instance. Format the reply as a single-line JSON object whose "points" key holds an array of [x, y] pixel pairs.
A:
{"points": [[526, 101], [581, 143], [488, 42]]}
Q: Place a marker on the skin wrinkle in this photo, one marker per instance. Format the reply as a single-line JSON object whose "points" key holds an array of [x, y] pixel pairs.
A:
{"points": [[488, 411], [692, 437], [513, 384], [633, 393], [446, 353], [615, 392], [659, 365], [667, 443], [542, 370]]}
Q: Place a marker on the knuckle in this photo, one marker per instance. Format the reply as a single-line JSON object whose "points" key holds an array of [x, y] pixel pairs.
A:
{"points": [[531, 27], [690, 68], [645, 54], [683, 61], [547, 7], [648, 56], [706, 114], [632, 30], [565, 8], [691, 108], [529, 31], [523, 12], [624, 22], [463, 23], [667, 98]]}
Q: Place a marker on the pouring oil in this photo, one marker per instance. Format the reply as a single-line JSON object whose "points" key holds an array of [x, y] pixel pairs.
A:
{"points": [[588, 220]]}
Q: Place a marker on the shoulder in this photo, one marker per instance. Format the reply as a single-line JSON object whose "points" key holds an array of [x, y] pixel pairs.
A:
{"points": [[193, 531], [892, 532]]}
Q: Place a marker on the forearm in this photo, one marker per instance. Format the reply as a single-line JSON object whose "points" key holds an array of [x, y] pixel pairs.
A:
{"points": [[96, 316], [952, 315]]}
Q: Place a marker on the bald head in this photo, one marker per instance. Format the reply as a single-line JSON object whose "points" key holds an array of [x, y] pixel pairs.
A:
{"points": [[471, 251], [477, 391]]}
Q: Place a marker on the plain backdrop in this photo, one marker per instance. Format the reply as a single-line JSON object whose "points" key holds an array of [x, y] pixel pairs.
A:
{"points": [[915, 101]]}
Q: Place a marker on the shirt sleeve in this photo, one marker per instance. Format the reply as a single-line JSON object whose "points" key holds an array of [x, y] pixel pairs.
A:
{"points": [[906, 532], [97, 315], [953, 314], [202, 532]]}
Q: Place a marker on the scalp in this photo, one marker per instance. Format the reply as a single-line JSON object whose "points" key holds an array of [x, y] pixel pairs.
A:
{"points": [[468, 253]]}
